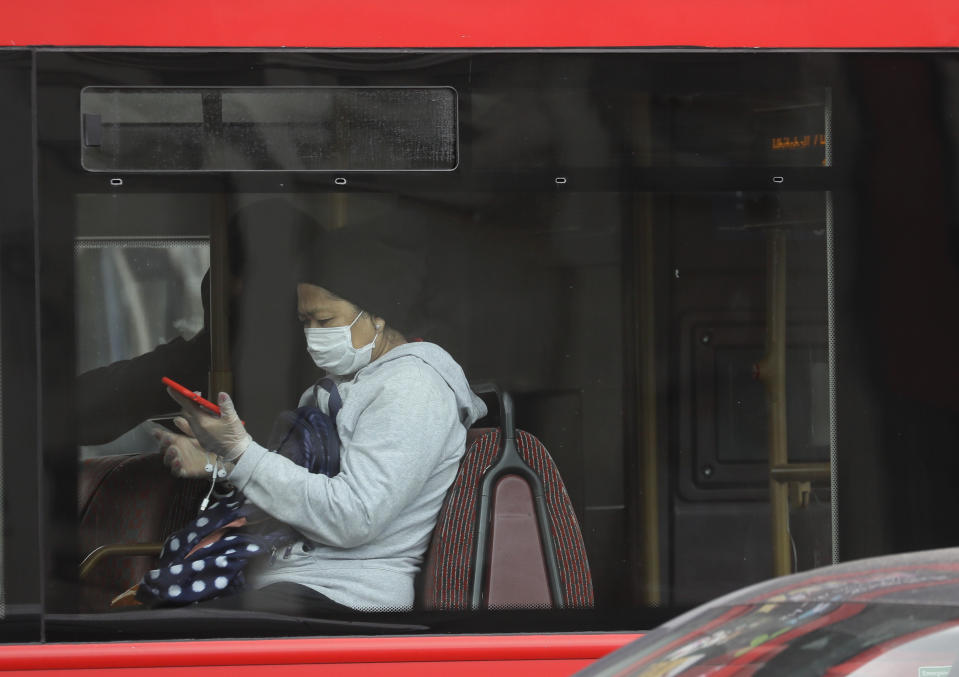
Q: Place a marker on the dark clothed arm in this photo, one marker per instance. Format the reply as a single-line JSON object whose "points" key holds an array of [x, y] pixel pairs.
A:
{"points": [[115, 398]]}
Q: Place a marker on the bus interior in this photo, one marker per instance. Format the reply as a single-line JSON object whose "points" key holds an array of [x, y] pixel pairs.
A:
{"points": [[719, 287]]}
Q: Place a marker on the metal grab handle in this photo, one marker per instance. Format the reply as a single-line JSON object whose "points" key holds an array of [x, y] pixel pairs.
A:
{"points": [[103, 552], [800, 472], [509, 462], [505, 402]]}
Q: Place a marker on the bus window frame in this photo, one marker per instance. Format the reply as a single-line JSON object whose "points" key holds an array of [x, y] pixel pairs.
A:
{"points": [[61, 76], [23, 514]]}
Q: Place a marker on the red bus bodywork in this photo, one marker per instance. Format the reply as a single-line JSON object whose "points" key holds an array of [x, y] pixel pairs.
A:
{"points": [[811, 24], [529, 655]]}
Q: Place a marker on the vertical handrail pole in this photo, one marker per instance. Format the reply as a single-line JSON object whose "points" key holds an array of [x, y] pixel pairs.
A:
{"points": [[831, 341], [772, 372]]}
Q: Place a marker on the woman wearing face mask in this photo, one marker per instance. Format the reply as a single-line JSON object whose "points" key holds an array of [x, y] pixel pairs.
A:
{"points": [[406, 406]]}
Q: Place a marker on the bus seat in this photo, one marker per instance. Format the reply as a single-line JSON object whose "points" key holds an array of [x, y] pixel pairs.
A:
{"points": [[506, 535], [488, 548], [128, 499]]}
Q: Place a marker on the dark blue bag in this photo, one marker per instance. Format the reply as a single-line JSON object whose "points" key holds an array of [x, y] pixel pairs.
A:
{"points": [[206, 558], [308, 437]]}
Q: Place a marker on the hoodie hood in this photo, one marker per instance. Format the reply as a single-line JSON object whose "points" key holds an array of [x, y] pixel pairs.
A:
{"points": [[471, 407]]}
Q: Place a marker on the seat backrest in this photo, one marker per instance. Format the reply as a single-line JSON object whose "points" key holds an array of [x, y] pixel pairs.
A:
{"points": [[505, 556], [128, 499]]}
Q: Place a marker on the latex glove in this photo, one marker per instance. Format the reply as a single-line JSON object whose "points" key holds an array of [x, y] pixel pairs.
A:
{"points": [[223, 435], [183, 454]]}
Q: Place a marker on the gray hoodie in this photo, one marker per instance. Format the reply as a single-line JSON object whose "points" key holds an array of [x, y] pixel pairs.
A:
{"points": [[402, 431]]}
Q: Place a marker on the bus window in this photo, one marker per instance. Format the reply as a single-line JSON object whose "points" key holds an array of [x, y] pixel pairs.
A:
{"points": [[559, 254], [532, 298], [660, 257]]}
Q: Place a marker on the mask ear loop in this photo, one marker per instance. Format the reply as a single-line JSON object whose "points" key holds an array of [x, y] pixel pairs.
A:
{"points": [[377, 327], [356, 319]]}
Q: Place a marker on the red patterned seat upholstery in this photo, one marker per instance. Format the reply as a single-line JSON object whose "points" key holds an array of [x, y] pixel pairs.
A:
{"points": [[127, 499], [452, 564]]}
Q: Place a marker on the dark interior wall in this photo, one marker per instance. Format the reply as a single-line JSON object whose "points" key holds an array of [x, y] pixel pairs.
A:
{"points": [[718, 450], [900, 279]]}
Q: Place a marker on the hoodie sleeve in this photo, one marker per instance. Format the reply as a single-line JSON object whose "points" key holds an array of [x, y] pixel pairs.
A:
{"points": [[397, 442]]}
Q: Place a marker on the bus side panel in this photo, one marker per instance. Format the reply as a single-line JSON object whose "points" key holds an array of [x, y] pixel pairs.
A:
{"points": [[468, 655]]}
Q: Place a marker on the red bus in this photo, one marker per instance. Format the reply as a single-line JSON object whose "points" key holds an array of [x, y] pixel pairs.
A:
{"points": [[707, 255]]}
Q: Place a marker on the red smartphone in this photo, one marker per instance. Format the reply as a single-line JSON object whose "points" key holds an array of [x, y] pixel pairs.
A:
{"points": [[190, 395]]}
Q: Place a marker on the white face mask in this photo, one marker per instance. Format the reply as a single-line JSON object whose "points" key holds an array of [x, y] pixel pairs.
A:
{"points": [[332, 349]]}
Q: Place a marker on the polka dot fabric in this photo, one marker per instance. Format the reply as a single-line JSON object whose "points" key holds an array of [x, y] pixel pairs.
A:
{"points": [[201, 562]]}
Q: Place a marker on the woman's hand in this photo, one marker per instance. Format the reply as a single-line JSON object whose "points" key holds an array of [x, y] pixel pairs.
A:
{"points": [[183, 454], [223, 435]]}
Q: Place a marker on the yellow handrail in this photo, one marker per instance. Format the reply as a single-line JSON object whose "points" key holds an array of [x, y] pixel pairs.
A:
{"points": [[103, 552], [771, 370]]}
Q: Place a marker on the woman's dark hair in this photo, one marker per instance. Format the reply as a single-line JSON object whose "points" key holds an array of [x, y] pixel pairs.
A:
{"points": [[379, 268], [375, 268]]}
